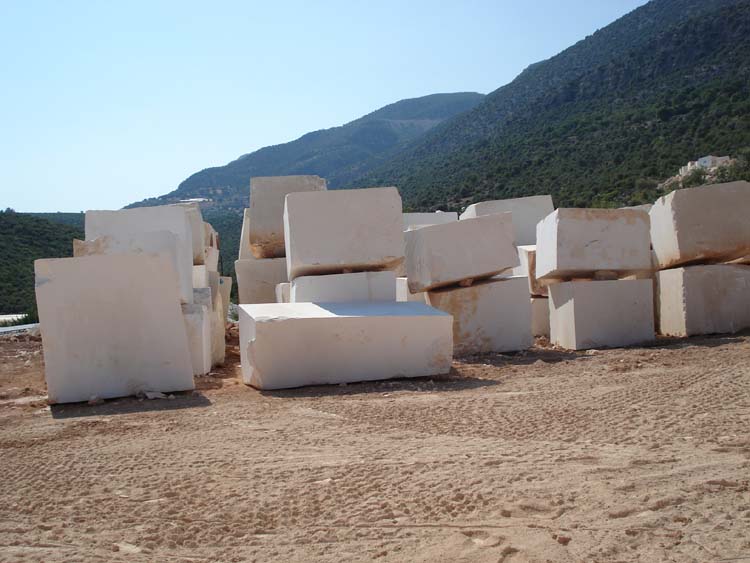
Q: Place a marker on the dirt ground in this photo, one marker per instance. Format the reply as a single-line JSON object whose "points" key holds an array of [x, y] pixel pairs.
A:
{"points": [[613, 455]]}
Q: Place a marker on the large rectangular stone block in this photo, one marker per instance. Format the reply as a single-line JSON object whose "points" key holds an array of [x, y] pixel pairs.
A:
{"points": [[294, 344], [540, 316], [343, 231], [527, 212], [245, 252], [418, 220], [266, 212], [196, 228], [257, 279], [578, 242], [709, 224], [527, 268], [403, 294], [201, 277], [596, 314], [154, 243], [225, 289], [283, 291], [198, 326], [111, 326], [443, 255], [490, 316], [334, 288], [218, 334], [703, 299]]}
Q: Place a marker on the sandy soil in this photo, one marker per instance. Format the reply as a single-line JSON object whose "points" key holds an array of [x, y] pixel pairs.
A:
{"points": [[619, 455]]}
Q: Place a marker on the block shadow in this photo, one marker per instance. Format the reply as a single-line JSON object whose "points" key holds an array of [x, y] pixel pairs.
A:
{"points": [[130, 405]]}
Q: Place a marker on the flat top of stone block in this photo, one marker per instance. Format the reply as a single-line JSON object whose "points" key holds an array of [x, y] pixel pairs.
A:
{"points": [[587, 214], [281, 311], [518, 202]]}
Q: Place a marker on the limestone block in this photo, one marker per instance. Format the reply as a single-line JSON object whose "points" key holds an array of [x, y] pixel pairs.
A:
{"points": [[225, 289], [595, 314], [202, 296], [198, 326], [577, 242], [418, 220], [155, 243], [286, 345], [257, 279], [403, 293], [196, 228], [211, 258], [342, 231], [540, 316], [129, 222], [334, 288], [111, 326], [266, 212], [443, 255], [200, 276], [245, 252], [527, 212], [282, 292], [702, 225], [490, 316], [704, 299], [527, 268], [218, 333]]}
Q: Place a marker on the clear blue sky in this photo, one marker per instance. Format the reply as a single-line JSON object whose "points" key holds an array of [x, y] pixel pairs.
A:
{"points": [[105, 103]]}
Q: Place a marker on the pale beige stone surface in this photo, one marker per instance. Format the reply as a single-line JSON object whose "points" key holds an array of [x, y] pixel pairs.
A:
{"points": [[334, 288], [419, 220], [575, 243], [704, 299], [200, 277], [111, 326], [196, 228], [225, 289], [266, 211], [527, 268], [218, 333], [336, 231], [442, 255], [527, 212], [282, 292], [595, 314], [708, 224], [295, 344], [198, 326], [490, 316], [257, 279], [403, 294], [245, 252], [540, 316]]}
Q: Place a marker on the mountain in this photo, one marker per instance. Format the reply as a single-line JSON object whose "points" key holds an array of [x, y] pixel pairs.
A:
{"points": [[24, 238], [337, 154], [598, 124]]}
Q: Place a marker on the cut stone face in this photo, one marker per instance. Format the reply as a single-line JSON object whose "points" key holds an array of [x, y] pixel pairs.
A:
{"points": [[596, 314], [294, 344], [218, 334], [540, 316], [111, 326], [527, 212], [200, 277], [225, 289], [155, 243], [527, 268], [245, 252], [196, 228], [202, 296], [577, 242], [266, 212], [282, 292], [335, 288], [490, 316], [403, 294], [342, 231], [443, 255], [418, 220], [704, 299], [257, 279], [198, 326], [709, 224]]}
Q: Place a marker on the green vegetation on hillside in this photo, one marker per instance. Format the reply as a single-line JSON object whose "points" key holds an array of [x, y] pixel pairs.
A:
{"points": [[25, 238]]}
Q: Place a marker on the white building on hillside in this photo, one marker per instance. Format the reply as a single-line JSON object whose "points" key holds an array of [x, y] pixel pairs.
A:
{"points": [[706, 162]]}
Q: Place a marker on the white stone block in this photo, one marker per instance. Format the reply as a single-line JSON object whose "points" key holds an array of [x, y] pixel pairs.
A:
{"points": [[443, 255], [527, 268], [335, 288], [196, 228], [133, 222], [294, 344], [596, 314], [418, 220], [342, 231], [266, 212], [202, 296], [257, 279], [489, 316], [578, 242], [403, 294], [527, 212], [211, 259], [153, 243], [704, 299], [540, 316], [111, 326], [245, 252], [282, 292], [198, 326], [708, 224], [218, 333], [200, 276], [225, 289]]}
